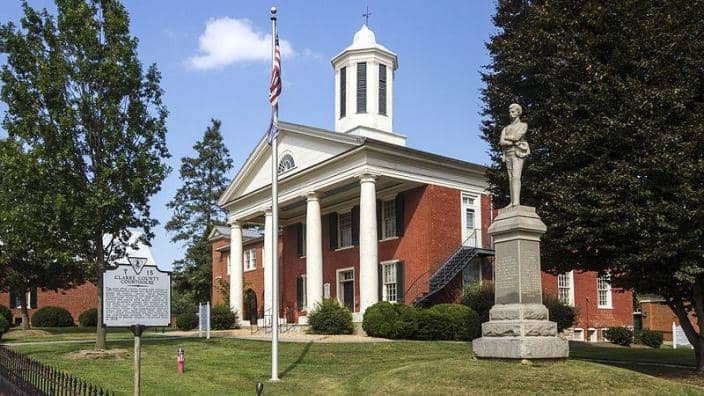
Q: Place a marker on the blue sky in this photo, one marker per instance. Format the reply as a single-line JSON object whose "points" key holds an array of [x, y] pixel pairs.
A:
{"points": [[210, 56]]}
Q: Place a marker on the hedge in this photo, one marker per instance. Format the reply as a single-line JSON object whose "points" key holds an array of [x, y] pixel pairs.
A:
{"points": [[394, 321], [559, 312], [480, 298], [88, 318], [222, 317], [329, 317], [187, 321], [619, 336], [6, 313], [4, 325], [650, 338], [441, 322], [52, 317]]}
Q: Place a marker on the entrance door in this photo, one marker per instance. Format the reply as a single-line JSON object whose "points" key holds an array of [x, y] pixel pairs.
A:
{"points": [[471, 235], [345, 288], [250, 306]]}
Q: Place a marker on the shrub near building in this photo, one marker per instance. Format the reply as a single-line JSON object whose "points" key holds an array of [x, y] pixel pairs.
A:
{"points": [[52, 317], [329, 317], [222, 318]]}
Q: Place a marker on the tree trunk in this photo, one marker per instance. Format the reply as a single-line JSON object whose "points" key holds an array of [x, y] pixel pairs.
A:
{"points": [[693, 337], [100, 342], [699, 356], [23, 310]]}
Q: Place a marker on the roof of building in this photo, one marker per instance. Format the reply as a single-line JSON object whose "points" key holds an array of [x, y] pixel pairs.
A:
{"points": [[223, 232]]}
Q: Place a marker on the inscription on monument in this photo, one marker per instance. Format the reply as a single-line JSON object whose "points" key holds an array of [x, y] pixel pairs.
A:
{"points": [[531, 292], [506, 278]]}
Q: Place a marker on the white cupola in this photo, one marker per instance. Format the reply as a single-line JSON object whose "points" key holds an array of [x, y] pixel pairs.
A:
{"points": [[364, 82]]}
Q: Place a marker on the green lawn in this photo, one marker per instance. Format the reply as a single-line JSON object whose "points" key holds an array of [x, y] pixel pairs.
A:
{"points": [[665, 355], [225, 366]]}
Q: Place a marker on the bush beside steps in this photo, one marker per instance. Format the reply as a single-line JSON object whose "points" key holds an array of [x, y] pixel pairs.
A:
{"points": [[50, 316]]}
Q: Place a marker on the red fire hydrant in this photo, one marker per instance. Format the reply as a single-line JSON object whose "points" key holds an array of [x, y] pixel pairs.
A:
{"points": [[181, 361]]}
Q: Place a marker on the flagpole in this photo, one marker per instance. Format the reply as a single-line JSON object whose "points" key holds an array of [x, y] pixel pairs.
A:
{"points": [[275, 220]]}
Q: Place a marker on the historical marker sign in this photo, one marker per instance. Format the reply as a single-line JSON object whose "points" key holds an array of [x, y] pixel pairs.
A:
{"points": [[136, 294]]}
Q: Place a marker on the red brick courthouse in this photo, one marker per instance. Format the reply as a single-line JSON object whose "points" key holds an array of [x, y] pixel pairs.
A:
{"points": [[364, 218]]}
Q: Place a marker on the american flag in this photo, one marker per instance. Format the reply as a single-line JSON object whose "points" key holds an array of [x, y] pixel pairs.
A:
{"points": [[274, 91], [275, 87]]}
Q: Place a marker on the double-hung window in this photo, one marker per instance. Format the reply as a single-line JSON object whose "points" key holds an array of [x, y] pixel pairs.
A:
{"points": [[344, 224], [389, 282], [388, 219], [565, 288], [603, 289], [250, 259]]}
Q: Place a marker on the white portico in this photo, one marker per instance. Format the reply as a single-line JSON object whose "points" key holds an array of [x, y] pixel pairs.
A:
{"points": [[360, 164]]}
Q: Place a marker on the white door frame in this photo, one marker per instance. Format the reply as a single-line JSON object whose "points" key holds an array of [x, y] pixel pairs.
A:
{"points": [[339, 289], [476, 207]]}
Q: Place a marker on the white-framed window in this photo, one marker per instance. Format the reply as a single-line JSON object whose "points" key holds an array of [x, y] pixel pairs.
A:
{"points": [[344, 232], [228, 264], [578, 334], [565, 288], [388, 219], [18, 304], [603, 291], [389, 282], [286, 163], [250, 259]]}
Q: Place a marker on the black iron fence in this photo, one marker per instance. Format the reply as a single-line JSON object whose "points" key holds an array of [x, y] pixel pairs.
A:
{"points": [[22, 375]]}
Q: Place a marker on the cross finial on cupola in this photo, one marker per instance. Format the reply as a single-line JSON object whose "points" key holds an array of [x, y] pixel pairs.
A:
{"points": [[366, 16]]}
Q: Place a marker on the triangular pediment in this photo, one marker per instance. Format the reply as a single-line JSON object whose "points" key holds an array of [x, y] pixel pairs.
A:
{"points": [[306, 147]]}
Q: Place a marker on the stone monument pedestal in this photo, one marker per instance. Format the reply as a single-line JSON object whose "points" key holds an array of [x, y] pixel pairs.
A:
{"points": [[518, 326]]}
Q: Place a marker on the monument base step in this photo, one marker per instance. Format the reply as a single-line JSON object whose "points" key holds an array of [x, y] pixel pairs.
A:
{"points": [[519, 328], [518, 312], [521, 348]]}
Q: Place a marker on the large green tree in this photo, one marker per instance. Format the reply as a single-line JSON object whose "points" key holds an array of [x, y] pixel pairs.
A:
{"points": [[35, 221], [614, 97], [195, 211], [74, 85]]}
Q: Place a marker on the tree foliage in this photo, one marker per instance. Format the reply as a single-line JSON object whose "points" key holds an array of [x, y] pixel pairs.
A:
{"points": [[614, 98], [35, 221], [195, 211], [74, 86]]}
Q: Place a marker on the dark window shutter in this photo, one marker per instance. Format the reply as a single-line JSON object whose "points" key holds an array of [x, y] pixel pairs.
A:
{"points": [[13, 299], [361, 87], [380, 268], [332, 227], [343, 92], [355, 225], [299, 293], [299, 239], [378, 220], [33, 297], [400, 284], [382, 89], [399, 215]]}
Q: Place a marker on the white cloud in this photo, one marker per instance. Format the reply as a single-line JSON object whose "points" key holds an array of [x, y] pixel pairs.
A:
{"points": [[228, 40]]}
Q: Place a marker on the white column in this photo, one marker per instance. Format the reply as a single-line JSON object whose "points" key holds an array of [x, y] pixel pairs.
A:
{"points": [[236, 283], [368, 244], [314, 252], [268, 225]]}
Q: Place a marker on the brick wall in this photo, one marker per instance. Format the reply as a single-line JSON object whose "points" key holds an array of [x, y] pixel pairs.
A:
{"points": [[659, 317], [253, 279], [585, 296], [75, 300]]}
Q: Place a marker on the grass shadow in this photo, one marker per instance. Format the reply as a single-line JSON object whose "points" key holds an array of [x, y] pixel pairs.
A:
{"points": [[299, 360]]}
